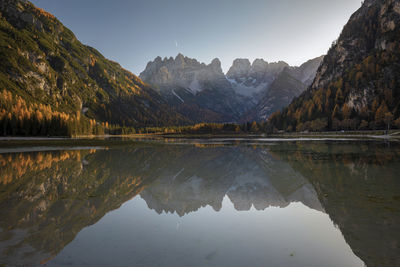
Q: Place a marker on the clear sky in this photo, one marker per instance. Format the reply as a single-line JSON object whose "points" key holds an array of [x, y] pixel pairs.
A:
{"points": [[133, 32]]}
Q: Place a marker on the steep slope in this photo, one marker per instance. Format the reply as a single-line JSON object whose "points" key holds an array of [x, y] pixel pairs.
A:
{"points": [[274, 86], [358, 84], [197, 90], [42, 63], [306, 72], [254, 79], [278, 95], [247, 92]]}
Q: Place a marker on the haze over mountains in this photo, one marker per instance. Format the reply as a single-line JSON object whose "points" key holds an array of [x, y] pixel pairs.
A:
{"points": [[247, 92]]}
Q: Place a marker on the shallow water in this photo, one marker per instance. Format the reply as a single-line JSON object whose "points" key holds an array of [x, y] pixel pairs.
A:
{"points": [[222, 202]]}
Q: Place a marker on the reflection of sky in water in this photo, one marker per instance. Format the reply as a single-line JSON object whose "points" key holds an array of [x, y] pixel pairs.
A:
{"points": [[202, 204], [134, 235]]}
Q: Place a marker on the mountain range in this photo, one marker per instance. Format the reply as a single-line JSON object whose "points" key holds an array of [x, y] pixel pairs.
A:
{"points": [[52, 84], [247, 92]]}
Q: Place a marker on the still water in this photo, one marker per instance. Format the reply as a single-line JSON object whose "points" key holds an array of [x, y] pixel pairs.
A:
{"points": [[202, 203]]}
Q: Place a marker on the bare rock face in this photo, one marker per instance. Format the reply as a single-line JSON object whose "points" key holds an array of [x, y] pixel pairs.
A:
{"points": [[251, 79], [306, 72], [271, 86], [199, 91], [169, 73], [359, 41], [240, 69], [353, 44], [258, 72], [279, 94], [203, 93], [254, 80]]}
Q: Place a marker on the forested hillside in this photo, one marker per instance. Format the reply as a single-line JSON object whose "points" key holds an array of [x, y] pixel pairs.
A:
{"points": [[358, 84], [51, 84]]}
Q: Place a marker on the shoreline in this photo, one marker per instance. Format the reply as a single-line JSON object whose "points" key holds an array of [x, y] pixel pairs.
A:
{"points": [[394, 134], [104, 141], [297, 134]]}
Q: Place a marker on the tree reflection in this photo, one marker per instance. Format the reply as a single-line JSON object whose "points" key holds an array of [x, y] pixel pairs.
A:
{"points": [[46, 198]]}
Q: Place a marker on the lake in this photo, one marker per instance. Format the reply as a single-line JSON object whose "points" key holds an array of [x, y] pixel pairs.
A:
{"points": [[201, 202]]}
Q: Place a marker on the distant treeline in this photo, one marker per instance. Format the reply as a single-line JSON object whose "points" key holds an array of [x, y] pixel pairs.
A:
{"points": [[210, 128], [19, 118]]}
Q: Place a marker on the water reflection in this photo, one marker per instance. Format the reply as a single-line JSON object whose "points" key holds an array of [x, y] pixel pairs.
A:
{"points": [[359, 187], [47, 198], [249, 177]]}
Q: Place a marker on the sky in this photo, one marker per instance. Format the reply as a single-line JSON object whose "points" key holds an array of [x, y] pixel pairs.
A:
{"points": [[134, 32]]}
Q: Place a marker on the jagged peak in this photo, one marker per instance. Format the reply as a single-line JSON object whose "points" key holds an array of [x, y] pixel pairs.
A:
{"points": [[180, 57], [240, 67], [280, 62], [259, 61], [216, 62], [311, 61], [241, 61]]}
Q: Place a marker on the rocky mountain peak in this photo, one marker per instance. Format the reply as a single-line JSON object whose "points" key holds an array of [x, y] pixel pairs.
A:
{"points": [[182, 72], [251, 80], [201, 91], [259, 64], [258, 72], [215, 65], [216, 62], [240, 68], [179, 56], [180, 60], [182, 79]]}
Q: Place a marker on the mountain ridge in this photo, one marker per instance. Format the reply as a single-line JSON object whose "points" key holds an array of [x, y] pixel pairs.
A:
{"points": [[357, 85], [185, 81], [197, 90], [48, 71]]}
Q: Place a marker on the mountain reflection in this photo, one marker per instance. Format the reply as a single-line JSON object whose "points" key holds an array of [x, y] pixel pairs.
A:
{"points": [[359, 188], [249, 177], [47, 198]]}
